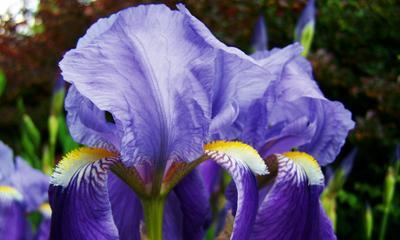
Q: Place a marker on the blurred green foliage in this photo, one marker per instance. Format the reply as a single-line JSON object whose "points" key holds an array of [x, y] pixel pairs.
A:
{"points": [[355, 53]]}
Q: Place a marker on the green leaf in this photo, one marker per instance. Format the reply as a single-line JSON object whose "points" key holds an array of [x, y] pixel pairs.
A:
{"points": [[368, 222], [67, 143], [3, 82], [57, 102], [29, 128]]}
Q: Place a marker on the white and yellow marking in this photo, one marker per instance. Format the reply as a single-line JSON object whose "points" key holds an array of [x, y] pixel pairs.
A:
{"points": [[75, 160], [241, 152], [310, 166], [8, 194], [45, 210]]}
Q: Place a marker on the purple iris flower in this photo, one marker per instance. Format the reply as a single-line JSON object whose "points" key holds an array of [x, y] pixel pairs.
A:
{"points": [[150, 89], [22, 190], [293, 114]]}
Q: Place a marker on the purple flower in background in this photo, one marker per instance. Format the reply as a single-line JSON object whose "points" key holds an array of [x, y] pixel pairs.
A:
{"points": [[22, 190], [150, 87], [260, 35]]}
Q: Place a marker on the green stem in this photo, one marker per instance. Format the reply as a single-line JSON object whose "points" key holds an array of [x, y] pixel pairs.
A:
{"points": [[384, 224], [153, 217]]}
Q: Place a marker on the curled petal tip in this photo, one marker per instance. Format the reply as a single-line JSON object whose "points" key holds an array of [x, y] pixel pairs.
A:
{"points": [[241, 152], [75, 160], [310, 166]]}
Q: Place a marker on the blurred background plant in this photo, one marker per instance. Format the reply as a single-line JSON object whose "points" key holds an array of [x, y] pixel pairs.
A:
{"points": [[354, 49]]}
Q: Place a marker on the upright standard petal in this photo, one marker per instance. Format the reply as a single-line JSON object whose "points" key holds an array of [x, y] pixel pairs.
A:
{"points": [[152, 72], [79, 197], [239, 80], [294, 110], [291, 208]]}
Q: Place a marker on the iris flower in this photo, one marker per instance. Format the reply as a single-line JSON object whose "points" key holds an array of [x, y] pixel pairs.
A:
{"points": [[292, 114], [152, 94], [296, 130], [23, 190], [152, 91]]}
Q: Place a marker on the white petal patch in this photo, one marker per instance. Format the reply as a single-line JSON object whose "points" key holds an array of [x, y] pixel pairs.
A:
{"points": [[9, 194], [74, 161], [239, 152], [308, 164]]}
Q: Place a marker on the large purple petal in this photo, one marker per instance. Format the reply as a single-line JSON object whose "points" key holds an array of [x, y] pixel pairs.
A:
{"points": [[159, 95], [13, 224], [291, 208], [79, 197], [32, 184], [294, 112], [194, 204], [239, 80], [126, 208]]}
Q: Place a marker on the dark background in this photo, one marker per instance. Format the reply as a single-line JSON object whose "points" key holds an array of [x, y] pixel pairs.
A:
{"points": [[355, 54]]}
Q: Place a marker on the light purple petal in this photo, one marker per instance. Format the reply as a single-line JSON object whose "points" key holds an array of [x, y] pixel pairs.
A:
{"points": [[291, 208], [87, 124], [194, 204], [239, 79], [333, 124], [260, 36], [292, 99], [126, 208], [32, 184], [6, 163], [159, 95], [79, 197], [268, 129]]}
